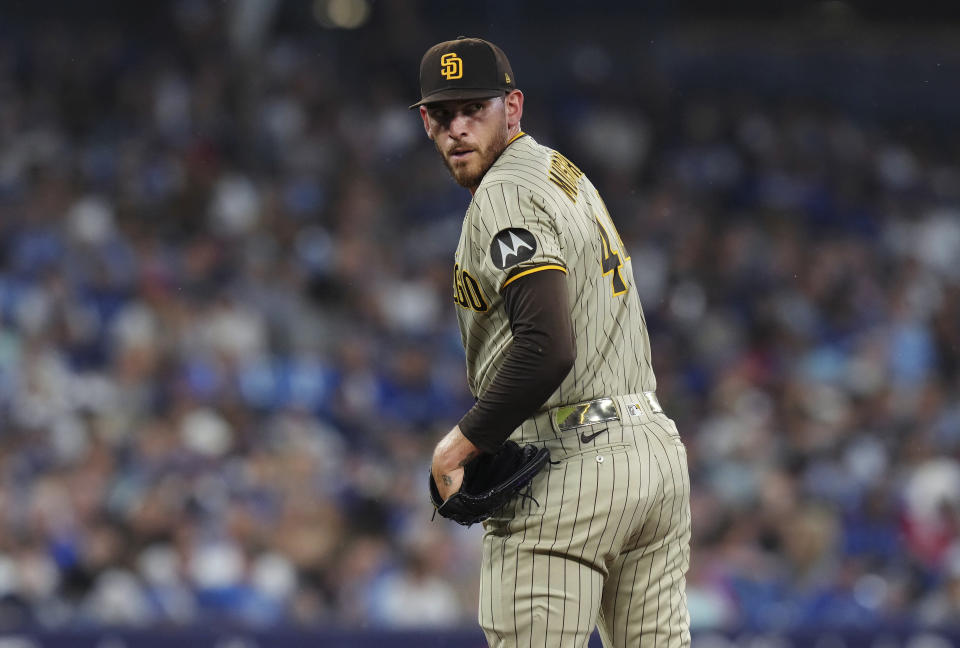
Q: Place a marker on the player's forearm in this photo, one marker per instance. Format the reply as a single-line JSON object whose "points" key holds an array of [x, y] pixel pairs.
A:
{"points": [[529, 374], [540, 357]]}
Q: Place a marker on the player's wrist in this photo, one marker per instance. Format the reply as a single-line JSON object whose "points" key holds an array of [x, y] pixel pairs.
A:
{"points": [[453, 451]]}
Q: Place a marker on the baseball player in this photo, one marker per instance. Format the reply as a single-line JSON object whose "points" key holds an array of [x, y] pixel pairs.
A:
{"points": [[557, 355]]}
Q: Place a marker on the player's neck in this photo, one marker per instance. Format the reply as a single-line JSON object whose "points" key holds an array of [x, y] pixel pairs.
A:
{"points": [[512, 135]]}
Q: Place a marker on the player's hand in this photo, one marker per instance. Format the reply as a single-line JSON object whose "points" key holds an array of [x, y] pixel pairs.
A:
{"points": [[448, 483], [449, 457]]}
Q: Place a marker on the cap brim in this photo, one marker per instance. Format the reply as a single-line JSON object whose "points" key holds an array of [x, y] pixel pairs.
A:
{"points": [[458, 93]]}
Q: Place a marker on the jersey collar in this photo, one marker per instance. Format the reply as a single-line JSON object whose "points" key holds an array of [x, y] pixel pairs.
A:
{"points": [[515, 138]]}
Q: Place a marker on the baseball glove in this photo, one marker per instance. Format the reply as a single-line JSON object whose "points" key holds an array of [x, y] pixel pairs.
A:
{"points": [[490, 481]]}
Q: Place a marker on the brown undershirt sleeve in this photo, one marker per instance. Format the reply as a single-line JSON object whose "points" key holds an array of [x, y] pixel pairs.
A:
{"points": [[540, 357]]}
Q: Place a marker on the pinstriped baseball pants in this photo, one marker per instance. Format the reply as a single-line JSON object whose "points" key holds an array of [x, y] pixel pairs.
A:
{"points": [[606, 544]]}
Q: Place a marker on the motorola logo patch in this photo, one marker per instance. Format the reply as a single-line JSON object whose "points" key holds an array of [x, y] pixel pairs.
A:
{"points": [[512, 246]]}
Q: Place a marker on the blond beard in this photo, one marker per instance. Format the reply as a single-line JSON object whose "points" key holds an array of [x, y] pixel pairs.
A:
{"points": [[488, 155]]}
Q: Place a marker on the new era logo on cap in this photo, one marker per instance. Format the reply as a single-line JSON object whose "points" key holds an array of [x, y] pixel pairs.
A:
{"points": [[464, 68]]}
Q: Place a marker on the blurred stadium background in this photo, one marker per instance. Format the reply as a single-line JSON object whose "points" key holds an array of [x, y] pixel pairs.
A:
{"points": [[227, 343]]}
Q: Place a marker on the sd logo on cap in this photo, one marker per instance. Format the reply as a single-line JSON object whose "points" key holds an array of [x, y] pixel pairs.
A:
{"points": [[451, 66]]}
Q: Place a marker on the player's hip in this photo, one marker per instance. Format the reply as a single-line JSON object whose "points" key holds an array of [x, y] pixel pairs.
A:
{"points": [[618, 459]]}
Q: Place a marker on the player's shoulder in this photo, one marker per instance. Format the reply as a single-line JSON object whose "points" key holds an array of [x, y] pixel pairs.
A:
{"points": [[533, 167]]}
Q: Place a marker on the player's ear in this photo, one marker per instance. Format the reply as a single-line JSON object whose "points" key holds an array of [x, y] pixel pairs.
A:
{"points": [[513, 104], [426, 121]]}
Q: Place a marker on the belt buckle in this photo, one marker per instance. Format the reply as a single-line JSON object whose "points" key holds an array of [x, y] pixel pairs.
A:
{"points": [[569, 417]]}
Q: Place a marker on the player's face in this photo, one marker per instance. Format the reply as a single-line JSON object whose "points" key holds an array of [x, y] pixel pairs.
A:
{"points": [[469, 135]]}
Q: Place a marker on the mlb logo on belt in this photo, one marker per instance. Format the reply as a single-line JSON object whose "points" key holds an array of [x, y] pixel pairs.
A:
{"points": [[634, 409]]}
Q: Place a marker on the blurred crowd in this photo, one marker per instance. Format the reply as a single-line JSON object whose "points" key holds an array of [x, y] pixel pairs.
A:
{"points": [[228, 344]]}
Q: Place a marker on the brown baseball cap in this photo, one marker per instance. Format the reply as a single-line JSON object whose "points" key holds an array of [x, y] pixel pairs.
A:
{"points": [[464, 68]]}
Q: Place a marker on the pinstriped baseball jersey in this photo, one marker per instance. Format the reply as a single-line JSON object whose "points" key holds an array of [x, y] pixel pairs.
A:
{"points": [[534, 211], [604, 539]]}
